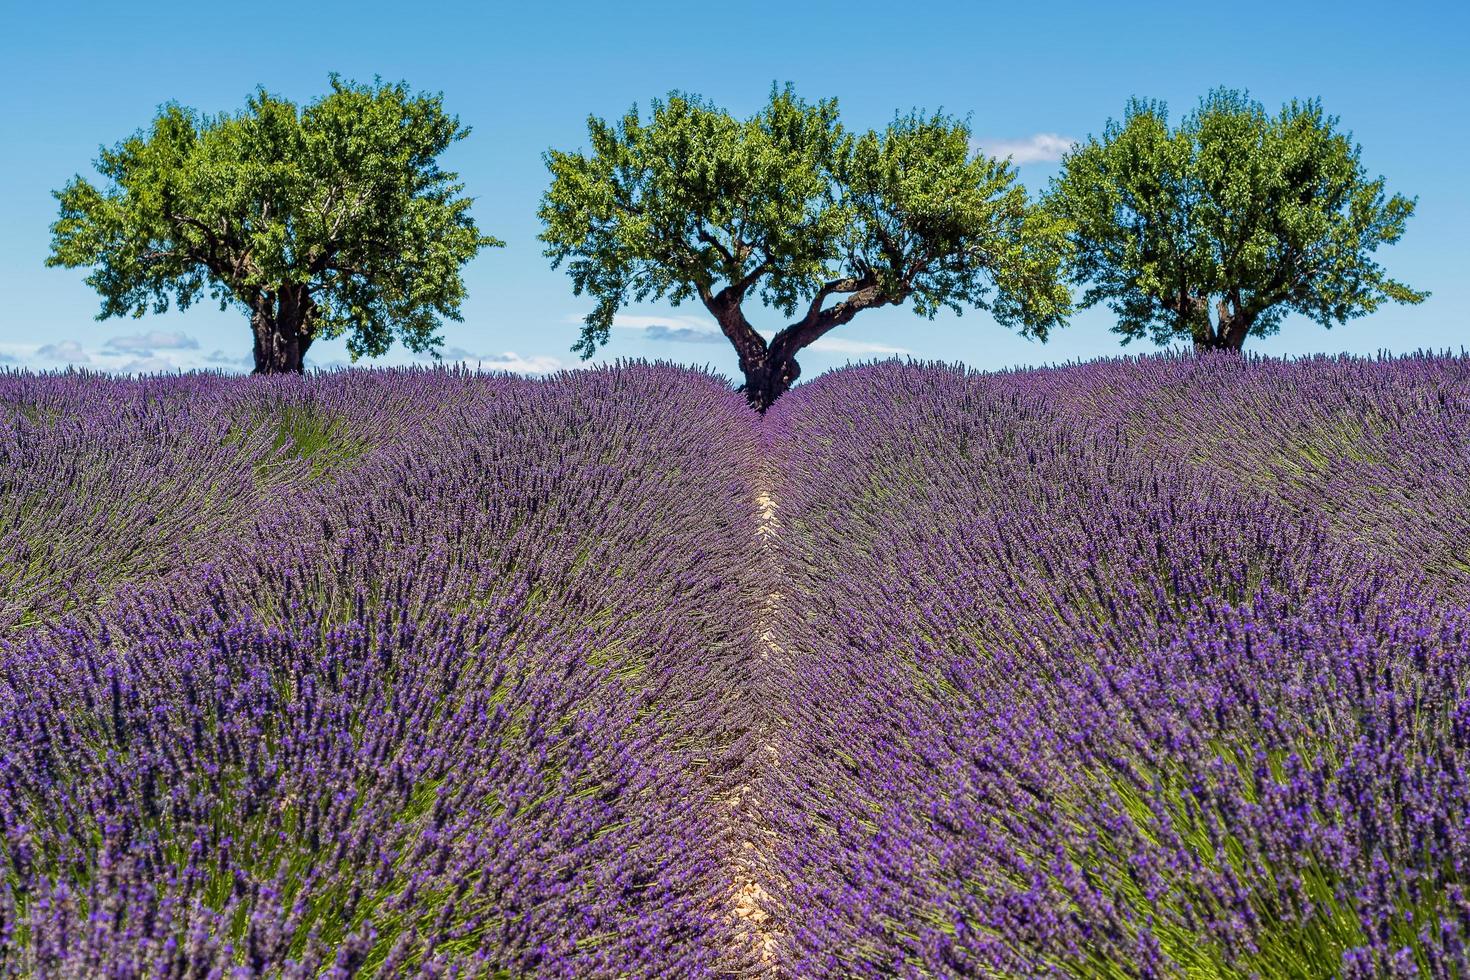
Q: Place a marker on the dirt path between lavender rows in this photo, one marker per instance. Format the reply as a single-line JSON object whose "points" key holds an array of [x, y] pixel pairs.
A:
{"points": [[758, 921]]}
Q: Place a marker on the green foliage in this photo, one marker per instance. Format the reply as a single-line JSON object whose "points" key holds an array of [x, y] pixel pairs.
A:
{"points": [[1302, 929], [939, 225], [336, 216], [304, 434], [695, 196], [695, 204], [1249, 214]]}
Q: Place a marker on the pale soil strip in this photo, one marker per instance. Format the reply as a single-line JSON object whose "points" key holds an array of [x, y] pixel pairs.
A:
{"points": [[752, 903]]}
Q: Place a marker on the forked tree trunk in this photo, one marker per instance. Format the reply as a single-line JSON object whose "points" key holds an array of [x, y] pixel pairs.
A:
{"points": [[1227, 335], [282, 334], [770, 369]]}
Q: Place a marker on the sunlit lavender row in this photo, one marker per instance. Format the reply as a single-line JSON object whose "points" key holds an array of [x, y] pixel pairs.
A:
{"points": [[1155, 667], [1152, 668], [389, 673]]}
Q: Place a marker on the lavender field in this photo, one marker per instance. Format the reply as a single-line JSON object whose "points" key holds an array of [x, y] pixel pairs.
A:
{"points": [[1154, 667]]}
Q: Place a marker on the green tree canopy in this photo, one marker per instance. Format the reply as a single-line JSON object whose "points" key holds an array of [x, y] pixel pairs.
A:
{"points": [[322, 221], [1216, 229], [817, 222]]}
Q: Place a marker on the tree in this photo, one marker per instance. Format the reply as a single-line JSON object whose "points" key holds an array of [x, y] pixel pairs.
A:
{"points": [[329, 220], [819, 223], [1234, 212]]}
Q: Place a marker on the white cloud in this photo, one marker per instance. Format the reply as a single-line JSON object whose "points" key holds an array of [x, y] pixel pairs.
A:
{"points": [[144, 365], [153, 340], [1036, 148], [226, 359], [841, 345], [632, 321], [682, 335], [699, 330], [104, 359], [676, 329], [515, 363], [670, 328], [108, 358], [64, 352], [504, 361]]}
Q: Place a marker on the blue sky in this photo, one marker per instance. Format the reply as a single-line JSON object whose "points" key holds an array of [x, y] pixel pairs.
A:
{"points": [[525, 77]]}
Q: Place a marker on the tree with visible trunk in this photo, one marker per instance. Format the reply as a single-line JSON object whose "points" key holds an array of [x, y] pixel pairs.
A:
{"points": [[1216, 229], [320, 221], [788, 206]]}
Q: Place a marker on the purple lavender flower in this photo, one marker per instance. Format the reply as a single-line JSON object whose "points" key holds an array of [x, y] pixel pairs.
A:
{"points": [[1150, 667]]}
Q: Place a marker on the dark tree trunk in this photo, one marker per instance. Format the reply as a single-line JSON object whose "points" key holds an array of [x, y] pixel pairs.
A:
{"points": [[282, 333], [770, 369], [1227, 335], [769, 379]]}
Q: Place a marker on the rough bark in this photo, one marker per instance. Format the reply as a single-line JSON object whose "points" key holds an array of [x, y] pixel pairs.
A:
{"points": [[766, 377], [281, 324], [770, 369], [769, 379], [1227, 334], [1214, 340]]}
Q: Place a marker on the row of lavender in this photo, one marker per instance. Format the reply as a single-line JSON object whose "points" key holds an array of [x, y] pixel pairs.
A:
{"points": [[1136, 668], [393, 671], [1151, 668], [1375, 448]]}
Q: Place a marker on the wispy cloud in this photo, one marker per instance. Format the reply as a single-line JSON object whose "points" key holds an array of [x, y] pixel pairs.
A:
{"points": [[226, 359], [679, 328], [511, 361], [673, 328], [110, 358], [682, 335], [64, 352], [842, 345], [160, 351], [154, 340], [144, 365], [845, 345], [1036, 148], [504, 361]]}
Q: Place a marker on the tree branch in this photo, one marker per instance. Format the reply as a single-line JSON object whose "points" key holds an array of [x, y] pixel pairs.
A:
{"points": [[817, 322], [724, 306], [735, 260], [891, 251], [850, 284], [751, 278], [346, 212], [207, 231], [718, 246], [212, 259]]}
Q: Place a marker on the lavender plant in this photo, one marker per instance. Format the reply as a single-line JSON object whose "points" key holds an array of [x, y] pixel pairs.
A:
{"points": [[458, 700], [1140, 668], [1073, 697]]}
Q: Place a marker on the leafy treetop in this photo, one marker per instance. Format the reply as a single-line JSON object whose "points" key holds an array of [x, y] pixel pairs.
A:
{"points": [[819, 223], [1235, 213], [329, 220]]}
